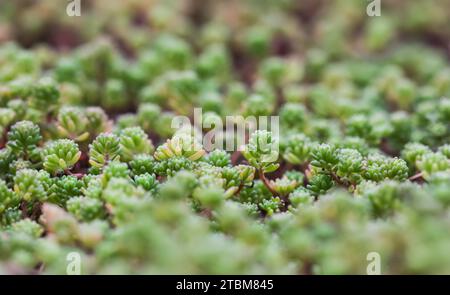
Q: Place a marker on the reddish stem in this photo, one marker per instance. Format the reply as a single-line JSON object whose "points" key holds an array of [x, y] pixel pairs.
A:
{"points": [[266, 182], [24, 209], [235, 157], [417, 176], [338, 180], [239, 189], [77, 175]]}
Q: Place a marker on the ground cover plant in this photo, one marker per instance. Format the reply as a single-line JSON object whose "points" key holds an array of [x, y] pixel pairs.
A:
{"points": [[91, 166]]}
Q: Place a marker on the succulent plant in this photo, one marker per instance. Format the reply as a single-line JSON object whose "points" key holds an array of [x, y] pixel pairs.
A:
{"points": [[60, 155], [356, 158]]}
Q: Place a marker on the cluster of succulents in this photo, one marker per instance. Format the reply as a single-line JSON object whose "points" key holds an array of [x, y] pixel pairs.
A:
{"points": [[90, 163]]}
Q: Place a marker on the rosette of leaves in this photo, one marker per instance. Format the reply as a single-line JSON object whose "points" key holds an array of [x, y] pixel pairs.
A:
{"points": [[325, 157], [274, 70], [181, 89], [142, 164], [6, 117], [17, 165], [378, 168], [350, 166], [125, 121], [352, 142], [246, 173], [64, 188], [179, 186], [295, 175], [209, 194], [218, 158], [8, 198], [183, 144], [31, 185], [284, 186], [122, 199], [412, 152], [296, 149], [147, 115], [301, 197], [45, 94], [23, 138], [270, 206], [386, 197], [170, 166], [257, 39], [163, 125], [208, 174], [213, 62], [232, 181], [93, 188], [105, 148], [115, 170], [58, 222], [27, 227], [9, 216], [259, 104], [438, 187], [134, 141], [147, 181], [445, 150], [431, 163], [60, 155], [320, 183], [253, 194], [372, 129], [85, 209], [97, 121], [115, 95], [431, 117], [6, 159], [262, 151], [293, 116], [175, 52], [72, 123], [215, 184]]}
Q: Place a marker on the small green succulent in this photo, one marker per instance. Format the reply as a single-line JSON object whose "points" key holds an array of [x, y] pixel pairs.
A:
{"points": [[134, 141], [60, 155], [105, 148], [23, 138]]}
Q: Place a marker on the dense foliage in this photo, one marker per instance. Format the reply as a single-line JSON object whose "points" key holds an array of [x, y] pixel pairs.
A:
{"points": [[89, 162]]}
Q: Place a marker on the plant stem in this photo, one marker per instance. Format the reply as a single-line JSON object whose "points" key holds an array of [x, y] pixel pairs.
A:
{"points": [[77, 175], [338, 180], [239, 189], [235, 157], [417, 176], [24, 209], [266, 182]]}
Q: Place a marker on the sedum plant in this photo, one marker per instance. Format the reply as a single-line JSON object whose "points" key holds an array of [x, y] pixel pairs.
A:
{"points": [[134, 141], [356, 158], [23, 138], [9, 198], [72, 123], [60, 155], [183, 145], [105, 148]]}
